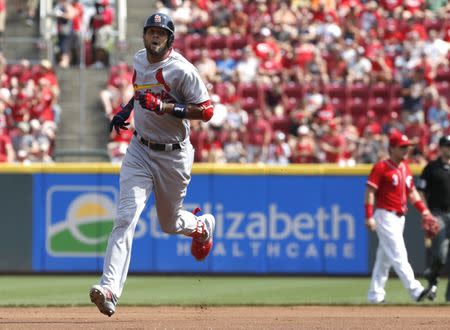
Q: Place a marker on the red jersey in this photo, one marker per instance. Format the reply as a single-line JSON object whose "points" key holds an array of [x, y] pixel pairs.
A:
{"points": [[392, 183]]}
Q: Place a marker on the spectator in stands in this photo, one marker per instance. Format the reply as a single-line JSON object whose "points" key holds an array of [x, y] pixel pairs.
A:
{"points": [[212, 151], [234, 150], [304, 148], [332, 144], [118, 144], [225, 65], [247, 67], [436, 49], [21, 138], [381, 69], [413, 88], [238, 20], [207, 67], [393, 124], [182, 16], [439, 115], [64, 13], [316, 70], [220, 18], [237, 118], [279, 151], [40, 150], [257, 137], [7, 154], [77, 26], [3, 14], [370, 147], [359, 70], [314, 99], [101, 24]]}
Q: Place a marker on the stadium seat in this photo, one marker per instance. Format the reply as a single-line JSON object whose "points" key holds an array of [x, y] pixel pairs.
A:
{"points": [[294, 90], [433, 24], [339, 105], [291, 104], [179, 43], [215, 54], [336, 90], [216, 41], [248, 90], [380, 106], [194, 41], [249, 104], [236, 41], [193, 55], [396, 91], [381, 90], [281, 124], [396, 104], [357, 106], [443, 89], [358, 90], [442, 74], [236, 54]]}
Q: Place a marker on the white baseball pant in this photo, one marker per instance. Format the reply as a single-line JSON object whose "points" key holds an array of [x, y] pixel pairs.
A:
{"points": [[143, 171], [391, 251]]}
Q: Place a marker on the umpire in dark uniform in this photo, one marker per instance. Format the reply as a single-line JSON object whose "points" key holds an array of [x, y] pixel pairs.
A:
{"points": [[434, 184]]}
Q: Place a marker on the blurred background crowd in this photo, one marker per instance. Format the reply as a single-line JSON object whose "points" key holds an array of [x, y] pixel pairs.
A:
{"points": [[310, 81], [293, 81]]}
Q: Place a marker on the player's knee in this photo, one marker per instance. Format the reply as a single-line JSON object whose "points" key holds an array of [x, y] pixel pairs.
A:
{"points": [[124, 218]]}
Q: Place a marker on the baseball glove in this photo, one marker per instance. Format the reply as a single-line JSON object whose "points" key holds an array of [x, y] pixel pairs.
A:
{"points": [[430, 225]]}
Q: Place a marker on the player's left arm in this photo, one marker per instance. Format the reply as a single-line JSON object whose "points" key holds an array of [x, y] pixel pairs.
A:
{"points": [[203, 111], [197, 104]]}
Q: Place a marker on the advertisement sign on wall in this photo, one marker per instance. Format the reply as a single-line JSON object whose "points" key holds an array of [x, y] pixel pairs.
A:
{"points": [[264, 224]]}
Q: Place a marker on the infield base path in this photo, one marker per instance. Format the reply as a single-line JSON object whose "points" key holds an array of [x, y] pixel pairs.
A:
{"points": [[295, 317]]}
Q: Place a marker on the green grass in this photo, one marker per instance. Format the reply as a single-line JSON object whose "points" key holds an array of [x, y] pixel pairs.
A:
{"points": [[202, 290]]}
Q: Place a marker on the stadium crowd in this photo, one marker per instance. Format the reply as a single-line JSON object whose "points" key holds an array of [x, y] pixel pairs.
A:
{"points": [[310, 81], [29, 111]]}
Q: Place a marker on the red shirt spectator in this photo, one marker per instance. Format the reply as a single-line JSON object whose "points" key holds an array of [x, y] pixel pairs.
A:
{"points": [[105, 15], [77, 21], [6, 149], [419, 132], [333, 145], [259, 130], [390, 5]]}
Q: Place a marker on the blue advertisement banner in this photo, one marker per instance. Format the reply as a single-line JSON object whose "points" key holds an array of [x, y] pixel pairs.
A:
{"points": [[264, 224]]}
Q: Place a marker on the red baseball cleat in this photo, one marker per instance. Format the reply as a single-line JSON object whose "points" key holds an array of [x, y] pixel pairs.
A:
{"points": [[202, 239]]}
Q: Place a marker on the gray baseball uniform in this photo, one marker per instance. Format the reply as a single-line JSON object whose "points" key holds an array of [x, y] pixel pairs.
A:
{"points": [[144, 170]]}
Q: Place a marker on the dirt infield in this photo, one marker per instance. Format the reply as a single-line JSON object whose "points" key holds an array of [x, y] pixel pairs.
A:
{"points": [[298, 317]]}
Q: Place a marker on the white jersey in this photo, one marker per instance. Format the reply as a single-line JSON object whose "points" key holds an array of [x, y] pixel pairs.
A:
{"points": [[173, 80]]}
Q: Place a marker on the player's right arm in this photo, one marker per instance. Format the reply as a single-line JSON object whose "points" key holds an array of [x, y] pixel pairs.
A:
{"points": [[373, 182], [369, 202], [119, 120]]}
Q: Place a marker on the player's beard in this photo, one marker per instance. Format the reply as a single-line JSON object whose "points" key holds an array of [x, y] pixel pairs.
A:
{"points": [[157, 51]]}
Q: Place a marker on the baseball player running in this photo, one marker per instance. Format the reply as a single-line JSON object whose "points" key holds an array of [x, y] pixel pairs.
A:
{"points": [[388, 186], [168, 93], [434, 185]]}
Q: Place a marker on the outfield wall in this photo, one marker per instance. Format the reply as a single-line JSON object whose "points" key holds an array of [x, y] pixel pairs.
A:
{"points": [[292, 220]]}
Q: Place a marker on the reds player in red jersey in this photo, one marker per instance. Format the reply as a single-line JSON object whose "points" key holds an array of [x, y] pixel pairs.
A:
{"points": [[389, 185]]}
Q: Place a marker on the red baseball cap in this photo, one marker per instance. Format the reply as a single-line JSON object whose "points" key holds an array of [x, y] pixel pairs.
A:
{"points": [[399, 140]]}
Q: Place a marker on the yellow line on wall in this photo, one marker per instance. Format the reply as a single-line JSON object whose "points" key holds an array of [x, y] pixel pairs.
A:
{"points": [[200, 168]]}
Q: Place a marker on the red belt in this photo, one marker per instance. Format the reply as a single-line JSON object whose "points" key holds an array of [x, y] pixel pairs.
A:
{"points": [[397, 213]]}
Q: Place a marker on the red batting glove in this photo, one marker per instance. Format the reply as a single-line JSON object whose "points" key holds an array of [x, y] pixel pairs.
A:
{"points": [[150, 102]]}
